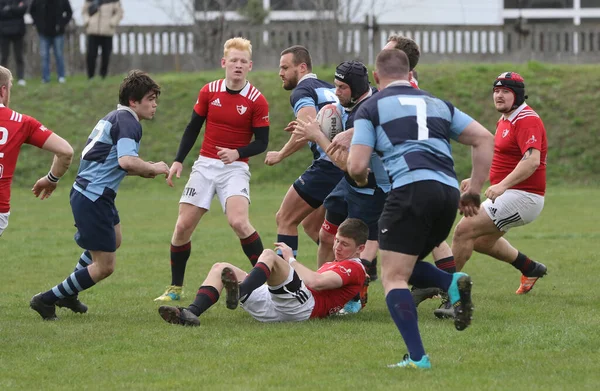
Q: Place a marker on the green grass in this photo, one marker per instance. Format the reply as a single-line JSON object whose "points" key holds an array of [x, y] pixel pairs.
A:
{"points": [[545, 340], [564, 95]]}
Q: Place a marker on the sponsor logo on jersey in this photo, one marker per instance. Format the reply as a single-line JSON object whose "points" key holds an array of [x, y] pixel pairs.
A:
{"points": [[344, 270], [244, 191], [505, 132], [531, 140], [241, 109], [216, 102], [43, 128], [384, 231], [266, 118]]}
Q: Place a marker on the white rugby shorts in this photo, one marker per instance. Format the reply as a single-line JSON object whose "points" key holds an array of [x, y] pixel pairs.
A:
{"points": [[212, 176], [3, 221], [514, 208], [266, 306]]}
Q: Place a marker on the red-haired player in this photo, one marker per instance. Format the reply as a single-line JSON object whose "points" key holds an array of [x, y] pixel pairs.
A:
{"points": [[234, 111]]}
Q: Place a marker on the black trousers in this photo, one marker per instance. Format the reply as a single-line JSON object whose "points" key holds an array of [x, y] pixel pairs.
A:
{"points": [[18, 46], [94, 42]]}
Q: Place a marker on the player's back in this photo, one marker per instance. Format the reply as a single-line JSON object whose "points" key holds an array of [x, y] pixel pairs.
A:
{"points": [[15, 130], [413, 131], [116, 135]]}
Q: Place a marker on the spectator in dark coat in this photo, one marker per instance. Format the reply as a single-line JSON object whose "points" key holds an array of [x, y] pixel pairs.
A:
{"points": [[50, 18], [12, 31]]}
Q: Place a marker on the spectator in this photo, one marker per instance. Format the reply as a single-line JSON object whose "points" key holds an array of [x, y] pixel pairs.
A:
{"points": [[50, 18], [12, 30], [100, 19]]}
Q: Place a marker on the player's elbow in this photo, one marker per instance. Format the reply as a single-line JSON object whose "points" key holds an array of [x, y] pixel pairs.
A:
{"points": [[65, 152], [126, 163]]}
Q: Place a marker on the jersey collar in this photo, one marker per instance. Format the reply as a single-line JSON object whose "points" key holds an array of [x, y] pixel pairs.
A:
{"points": [[399, 83], [514, 114], [349, 109], [127, 108], [308, 76], [2, 105]]}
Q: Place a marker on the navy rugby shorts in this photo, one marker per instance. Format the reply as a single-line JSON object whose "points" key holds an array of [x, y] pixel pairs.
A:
{"points": [[95, 222]]}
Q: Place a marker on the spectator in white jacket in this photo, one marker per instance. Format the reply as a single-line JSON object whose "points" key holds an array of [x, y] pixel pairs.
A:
{"points": [[100, 19]]}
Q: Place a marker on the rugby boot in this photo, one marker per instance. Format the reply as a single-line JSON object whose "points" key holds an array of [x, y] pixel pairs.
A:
{"points": [[173, 293], [232, 287], [72, 303], [178, 315], [407, 362], [46, 311], [460, 298], [529, 280]]}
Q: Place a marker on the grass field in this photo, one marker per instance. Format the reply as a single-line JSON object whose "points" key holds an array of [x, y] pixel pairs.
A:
{"points": [[548, 339]]}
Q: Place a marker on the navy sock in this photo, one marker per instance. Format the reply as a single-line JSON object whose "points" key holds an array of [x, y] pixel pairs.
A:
{"points": [[85, 260], [523, 263], [404, 313], [78, 281], [446, 264], [253, 247], [426, 275], [256, 278], [179, 258], [205, 298], [290, 240]]}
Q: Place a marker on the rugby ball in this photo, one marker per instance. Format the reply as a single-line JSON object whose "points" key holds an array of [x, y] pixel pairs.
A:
{"points": [[330, 120]]}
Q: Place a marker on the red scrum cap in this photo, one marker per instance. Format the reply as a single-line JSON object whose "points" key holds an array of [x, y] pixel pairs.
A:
{"points": [[514, 82]]}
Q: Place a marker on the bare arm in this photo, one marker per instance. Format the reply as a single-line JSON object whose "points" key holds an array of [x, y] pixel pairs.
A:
{"points": [[312, 279], [63, 154], [358, 163], [136, 166], [317, 281], [526, 167], [292, 146]]}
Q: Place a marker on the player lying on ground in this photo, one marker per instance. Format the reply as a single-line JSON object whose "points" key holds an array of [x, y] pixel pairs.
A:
{"points": [[293, 292]]}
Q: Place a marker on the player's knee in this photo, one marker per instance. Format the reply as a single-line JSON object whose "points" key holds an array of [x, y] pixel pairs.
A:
{"points": [[218, 267], [280, 218], [106, 270], [325, 237], [239, 225], [182, 229], [463, 231]]}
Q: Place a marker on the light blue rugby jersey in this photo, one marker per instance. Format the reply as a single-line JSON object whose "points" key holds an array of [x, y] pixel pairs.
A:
{"points": [[378, 171], [411, 130], [117, 134], [313, 92]]}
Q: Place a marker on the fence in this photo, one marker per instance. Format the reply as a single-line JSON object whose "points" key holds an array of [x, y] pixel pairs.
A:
{"points": [[193, 48]]}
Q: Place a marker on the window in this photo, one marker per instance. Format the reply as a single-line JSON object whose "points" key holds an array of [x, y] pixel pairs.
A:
{"points": [[590, 3], [219, 5], [303, 5], [515, 4]]}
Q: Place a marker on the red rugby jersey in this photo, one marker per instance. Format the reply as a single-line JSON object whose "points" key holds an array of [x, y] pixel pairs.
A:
{"points": [[230, 117], [330, 301], [524, 129], [15, 130]]}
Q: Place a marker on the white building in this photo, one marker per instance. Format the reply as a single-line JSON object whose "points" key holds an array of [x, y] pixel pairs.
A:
{"points": [[435, 12]]}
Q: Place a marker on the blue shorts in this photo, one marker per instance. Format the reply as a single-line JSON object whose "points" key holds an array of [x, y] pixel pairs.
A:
{"points": [[95, 222], [315, 184], [345, 202]]}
